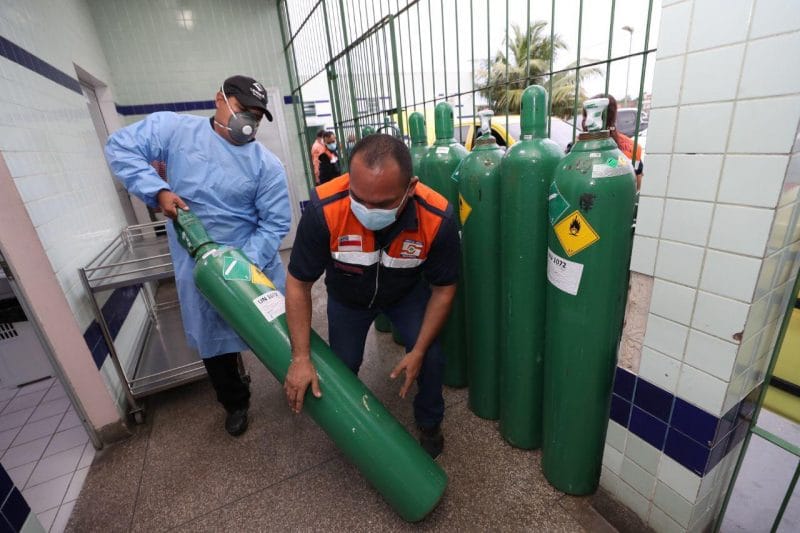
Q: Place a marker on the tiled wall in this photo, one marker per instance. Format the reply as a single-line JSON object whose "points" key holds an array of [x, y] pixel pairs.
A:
{"points": [[174, 55], [15, 513], [718, 231]]}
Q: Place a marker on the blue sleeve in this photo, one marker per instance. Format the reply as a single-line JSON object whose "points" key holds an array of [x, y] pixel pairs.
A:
{"points": [[274, 216], [131, 150]]}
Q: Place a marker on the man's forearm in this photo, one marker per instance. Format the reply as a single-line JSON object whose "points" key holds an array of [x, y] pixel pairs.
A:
{"points": [[298, 315], [436, 313]]}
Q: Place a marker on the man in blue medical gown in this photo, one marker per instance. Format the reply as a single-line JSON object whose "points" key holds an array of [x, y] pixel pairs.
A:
{"points": [[236, 187]]}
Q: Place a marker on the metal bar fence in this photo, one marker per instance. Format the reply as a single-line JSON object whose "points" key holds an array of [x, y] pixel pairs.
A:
{"points": [[387, 58]]}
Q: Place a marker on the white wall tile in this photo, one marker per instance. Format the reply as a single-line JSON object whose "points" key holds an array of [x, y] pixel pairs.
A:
{"points": [[703, 128], [730, 275], [637, 477], [661, 522], [675, 19], [667, 82], [665, 336], [774, 16], [616, 435], [719, 316], [778, 116], [787, 268], [719, 22], [791, 186], [655, 183], [765, 74], [679, 479], [659, 369], [611, 482], [778, 235], [634, 501], [673, 504], [643, 454], [755, 180], [769, 267], [612, 459], [694, 177], [681, 263], [643, 255], [672, 301], [701, 389], [757, 317], [712, 75], [648, 217], [661, 129], [742, 230], [686, 221], [710, 354]]}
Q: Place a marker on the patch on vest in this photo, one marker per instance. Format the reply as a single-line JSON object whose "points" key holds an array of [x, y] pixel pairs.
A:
{"points": [[411, 248], [350, 243]]}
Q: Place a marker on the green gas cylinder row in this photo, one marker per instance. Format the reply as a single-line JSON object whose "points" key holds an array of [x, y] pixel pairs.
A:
{"points": [[385, 453], [437, 172], [591, 204], [479, 211], [525, 175]]}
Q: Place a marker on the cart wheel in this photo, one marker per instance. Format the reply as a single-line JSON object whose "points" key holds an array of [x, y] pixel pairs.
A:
{"points": [[138, 417]]}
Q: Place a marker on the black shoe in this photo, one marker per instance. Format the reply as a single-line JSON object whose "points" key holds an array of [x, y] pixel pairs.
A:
{"points": [[236, 422], [432, 440]]}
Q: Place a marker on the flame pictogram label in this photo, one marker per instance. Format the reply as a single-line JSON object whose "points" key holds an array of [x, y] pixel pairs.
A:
{"points": [[575, 234]]}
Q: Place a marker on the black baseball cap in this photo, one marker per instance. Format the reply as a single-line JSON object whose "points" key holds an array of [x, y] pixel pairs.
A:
{"points": [[249, 92]]}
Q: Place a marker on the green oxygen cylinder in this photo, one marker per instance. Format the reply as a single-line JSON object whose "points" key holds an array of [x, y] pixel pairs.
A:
{"points": [[438, 166], [419, 141], [366, 131], [590, 209], [525, 176], [380, 447], [479, 210], [383, 324]]}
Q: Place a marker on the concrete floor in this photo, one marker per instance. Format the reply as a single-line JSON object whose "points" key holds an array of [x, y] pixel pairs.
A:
{"points": [[181, 471]]}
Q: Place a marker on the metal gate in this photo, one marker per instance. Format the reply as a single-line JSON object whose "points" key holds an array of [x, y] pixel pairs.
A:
{"points": [[383, 59]]}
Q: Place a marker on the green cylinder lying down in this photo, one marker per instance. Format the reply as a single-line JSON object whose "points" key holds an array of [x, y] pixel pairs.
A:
{"points": [[437, 170], [419, 141], [479, 210], [525, 176], [590, 207], [383, 324], [385, 453]]}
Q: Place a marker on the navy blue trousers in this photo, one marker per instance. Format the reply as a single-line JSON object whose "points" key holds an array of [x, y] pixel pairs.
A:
{"points": [[347, 331]]}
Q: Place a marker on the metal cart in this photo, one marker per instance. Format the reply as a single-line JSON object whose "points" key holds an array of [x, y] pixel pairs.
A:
{"points": [[139, 255]]}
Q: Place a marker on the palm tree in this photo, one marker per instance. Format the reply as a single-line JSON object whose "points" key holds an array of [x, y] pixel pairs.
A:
{"points": [[504, 81]]}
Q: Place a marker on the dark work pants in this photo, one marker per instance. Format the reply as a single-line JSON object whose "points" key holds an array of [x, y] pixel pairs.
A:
{"points": [[347, 331], [232, 392]]}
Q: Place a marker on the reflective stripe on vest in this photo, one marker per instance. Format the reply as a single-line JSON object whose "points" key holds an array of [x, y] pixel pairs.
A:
{"points": [[370, 258]]}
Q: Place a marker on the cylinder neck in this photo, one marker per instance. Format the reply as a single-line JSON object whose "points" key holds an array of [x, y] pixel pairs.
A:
{"points": [[417, 129], [443, 121], [533, 112]]}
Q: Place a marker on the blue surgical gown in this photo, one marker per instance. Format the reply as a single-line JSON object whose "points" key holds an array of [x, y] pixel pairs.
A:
{"points": [[239, 192]]}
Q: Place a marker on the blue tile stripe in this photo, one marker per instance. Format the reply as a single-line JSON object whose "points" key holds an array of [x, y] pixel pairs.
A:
{"points": [[22, 57], [115, 311], [14, 510], [176, 107], [694, 438]]}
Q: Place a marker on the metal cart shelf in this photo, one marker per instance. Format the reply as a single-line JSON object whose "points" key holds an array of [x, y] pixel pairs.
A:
{"points": [[139, 255]]}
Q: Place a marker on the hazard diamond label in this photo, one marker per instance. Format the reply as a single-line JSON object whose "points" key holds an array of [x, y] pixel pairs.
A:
{"points": [[464, 209], [575, 234], [258, 277], [235, 270]]}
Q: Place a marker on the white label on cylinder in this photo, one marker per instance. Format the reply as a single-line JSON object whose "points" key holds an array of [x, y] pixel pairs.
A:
{"points": [[443, 150], [271, 304], [563, 273]]}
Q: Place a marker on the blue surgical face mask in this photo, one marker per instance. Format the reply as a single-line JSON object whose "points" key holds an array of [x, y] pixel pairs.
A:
{"points": [[331, 147], [375, 219]]}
